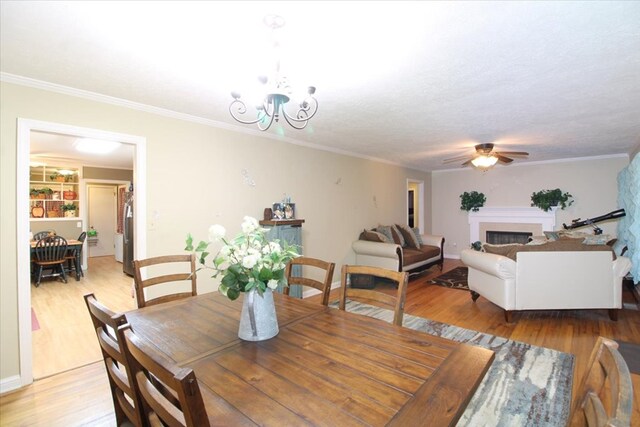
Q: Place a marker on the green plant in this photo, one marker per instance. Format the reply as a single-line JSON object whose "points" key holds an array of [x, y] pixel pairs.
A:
{"points": [[46, 191], [68, 207], [34, 192], [546, 199], [472, 201], [247, 262], [54, 175]]}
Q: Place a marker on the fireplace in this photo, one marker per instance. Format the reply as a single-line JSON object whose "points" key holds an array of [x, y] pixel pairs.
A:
{"points": [[505, 237], [510, 219]]}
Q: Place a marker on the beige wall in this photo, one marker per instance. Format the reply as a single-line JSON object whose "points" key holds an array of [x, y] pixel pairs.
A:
{"points": [[593, 184], [195, 178], [89, 172]]}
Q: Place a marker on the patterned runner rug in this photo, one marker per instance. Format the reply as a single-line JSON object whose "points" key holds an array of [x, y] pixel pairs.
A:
{"points": [[456, 279], [525, 386]]}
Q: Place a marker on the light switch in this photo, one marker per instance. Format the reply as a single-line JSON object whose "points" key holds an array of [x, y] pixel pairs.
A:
{"points": [[79, 224]]}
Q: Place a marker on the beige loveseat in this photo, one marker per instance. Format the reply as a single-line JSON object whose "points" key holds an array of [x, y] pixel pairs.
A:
{"points": [[548, 280], [397, 257]]}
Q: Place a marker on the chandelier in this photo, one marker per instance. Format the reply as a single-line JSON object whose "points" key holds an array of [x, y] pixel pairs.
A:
{"points": [[276, 98]]}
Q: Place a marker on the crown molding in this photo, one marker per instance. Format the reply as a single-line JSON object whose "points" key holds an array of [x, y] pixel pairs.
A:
{"points": [[106, 99]]}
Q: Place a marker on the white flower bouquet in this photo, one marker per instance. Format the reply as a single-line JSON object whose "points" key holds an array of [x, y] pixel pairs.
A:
{"points": [[247, 262]]}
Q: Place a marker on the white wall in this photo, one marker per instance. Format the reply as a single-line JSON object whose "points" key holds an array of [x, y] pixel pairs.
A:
{"points": [[591, 182], [195, 178]]}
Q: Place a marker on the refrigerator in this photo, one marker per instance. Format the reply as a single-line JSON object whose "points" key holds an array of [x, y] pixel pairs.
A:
{"points": [[127, 240]]}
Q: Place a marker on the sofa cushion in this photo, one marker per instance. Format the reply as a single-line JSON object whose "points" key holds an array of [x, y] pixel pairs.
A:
{"points": [[410, 239], [411, 256], [374, 236]]}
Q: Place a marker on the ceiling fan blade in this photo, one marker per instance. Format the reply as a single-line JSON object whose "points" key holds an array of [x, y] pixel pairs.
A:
{"points": [[455, 159], [503, 159], [513, 153], [468, 162]]}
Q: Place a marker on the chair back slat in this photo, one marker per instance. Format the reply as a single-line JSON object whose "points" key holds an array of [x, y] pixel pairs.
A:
{"points": [[106, 323], [323, 286], [187, 262], [148, 363], [374, 296], [51, 249], [605, 396]]}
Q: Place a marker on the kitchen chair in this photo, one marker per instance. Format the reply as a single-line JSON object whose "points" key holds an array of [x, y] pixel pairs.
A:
{"points": [[373, 296], [50, 254], [605, 396], [42, 234], [74, 257], [186, 262], [106, 323], [149, 365], [324, 286]]}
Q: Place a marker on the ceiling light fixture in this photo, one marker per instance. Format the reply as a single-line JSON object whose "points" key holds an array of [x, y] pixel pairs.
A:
{"points": [[95, 146], [484, 162], [276, 96]]}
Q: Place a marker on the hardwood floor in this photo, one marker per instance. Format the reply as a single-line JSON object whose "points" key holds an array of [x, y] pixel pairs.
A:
{"points": [[66, 338], [54, 401]]}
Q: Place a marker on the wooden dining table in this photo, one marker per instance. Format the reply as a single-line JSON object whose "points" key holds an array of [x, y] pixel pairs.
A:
{"points": [[71, 244], [325, 367]]}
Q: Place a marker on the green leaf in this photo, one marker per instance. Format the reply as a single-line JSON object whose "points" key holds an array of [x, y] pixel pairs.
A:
{"points": [[202, 246], [265, 275], [229, 280], [233, 294], [189, 243], [218, 261], [235, 269], [250, 286]]}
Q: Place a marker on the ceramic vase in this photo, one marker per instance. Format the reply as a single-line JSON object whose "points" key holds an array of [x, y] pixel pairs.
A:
{"points": [[258, 319]]}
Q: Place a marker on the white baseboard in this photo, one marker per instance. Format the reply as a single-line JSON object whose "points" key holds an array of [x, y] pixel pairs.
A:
{"points": [[10, 383]]}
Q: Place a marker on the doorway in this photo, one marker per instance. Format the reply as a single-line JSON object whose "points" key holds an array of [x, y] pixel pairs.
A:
{"points": [[102, 210], [415, 204], [26, 321]]}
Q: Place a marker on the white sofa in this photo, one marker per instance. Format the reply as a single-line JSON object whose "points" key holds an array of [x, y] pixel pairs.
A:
{"points": [[394, 257], [548, 280]]}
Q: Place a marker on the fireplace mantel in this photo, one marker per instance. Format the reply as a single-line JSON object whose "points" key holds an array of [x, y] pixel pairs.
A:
{"points": [[510, 215]]}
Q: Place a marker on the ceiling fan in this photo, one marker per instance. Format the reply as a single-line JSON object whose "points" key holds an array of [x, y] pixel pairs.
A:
{"points": [[485, 157]]}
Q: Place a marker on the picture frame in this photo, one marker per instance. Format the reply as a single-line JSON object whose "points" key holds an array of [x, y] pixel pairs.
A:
{"points": [[284, 211]]}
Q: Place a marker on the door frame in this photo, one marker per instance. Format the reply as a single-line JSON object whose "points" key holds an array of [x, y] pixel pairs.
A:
{"points": [[23, 149], [421, 222]]}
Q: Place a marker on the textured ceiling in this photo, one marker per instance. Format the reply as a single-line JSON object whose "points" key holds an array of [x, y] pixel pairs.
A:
{"points": [[411, 83]]}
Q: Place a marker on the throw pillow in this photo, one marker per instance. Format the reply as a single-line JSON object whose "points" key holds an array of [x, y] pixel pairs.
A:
{"points": [[418, 236], [504, 250], [409, 236], [397, 236], [601, 239], [386, 231], [374, 236], [537, 240], [552, 235]]}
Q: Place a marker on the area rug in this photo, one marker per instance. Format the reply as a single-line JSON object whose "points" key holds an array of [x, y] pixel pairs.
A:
{"points": [[526, 385], [35, 325], [455, 279]]}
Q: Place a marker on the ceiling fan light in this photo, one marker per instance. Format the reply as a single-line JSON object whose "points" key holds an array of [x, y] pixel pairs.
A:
{"points": [[484, 161]]}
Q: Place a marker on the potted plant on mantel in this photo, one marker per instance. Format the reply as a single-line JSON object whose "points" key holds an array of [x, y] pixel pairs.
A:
{"points": [[547, 199], [69, 209], [472, 201]]}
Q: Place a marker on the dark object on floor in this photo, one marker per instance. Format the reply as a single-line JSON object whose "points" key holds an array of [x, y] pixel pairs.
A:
{"points": [[631, 354], [455, 279]]}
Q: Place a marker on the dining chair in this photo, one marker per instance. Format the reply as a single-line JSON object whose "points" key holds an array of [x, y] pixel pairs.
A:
{"points": [[106, 323], [323, 286], [148, 366], [42, 234], [605, 396], [49, 254], [74, 257], [187, 263], [375, 296]]}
